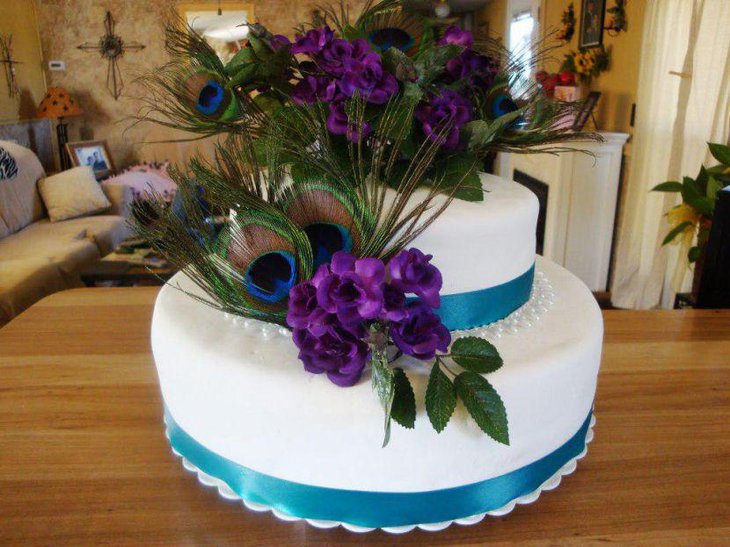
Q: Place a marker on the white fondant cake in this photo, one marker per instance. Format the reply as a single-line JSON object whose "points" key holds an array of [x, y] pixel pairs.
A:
{"points": [[238, 389], [496, 237]]}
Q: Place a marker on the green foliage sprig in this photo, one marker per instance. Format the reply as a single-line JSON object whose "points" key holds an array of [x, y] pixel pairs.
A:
{"points": [[694, 215], [456, 376]]}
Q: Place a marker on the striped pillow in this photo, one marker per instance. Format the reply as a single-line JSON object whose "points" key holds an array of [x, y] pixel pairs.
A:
{"points": [[8, 167]]}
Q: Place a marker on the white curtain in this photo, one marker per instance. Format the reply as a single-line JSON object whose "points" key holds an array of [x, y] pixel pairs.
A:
{"points": [[677, 114]]}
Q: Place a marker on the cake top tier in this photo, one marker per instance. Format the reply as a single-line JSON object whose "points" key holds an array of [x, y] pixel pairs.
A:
{"points": [[483, 244]]}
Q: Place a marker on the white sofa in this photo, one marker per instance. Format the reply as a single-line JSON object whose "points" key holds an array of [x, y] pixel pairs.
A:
{"points": [[39, 257]]}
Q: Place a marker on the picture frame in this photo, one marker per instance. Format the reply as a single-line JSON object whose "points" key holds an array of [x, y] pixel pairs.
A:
{"points": [[592, 15], [95, 154], [586, 110]]}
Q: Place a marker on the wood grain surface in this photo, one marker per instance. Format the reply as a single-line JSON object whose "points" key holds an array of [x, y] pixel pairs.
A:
{"points": [[83, 457]]}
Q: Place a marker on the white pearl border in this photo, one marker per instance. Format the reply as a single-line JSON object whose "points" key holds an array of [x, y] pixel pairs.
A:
{"points": [[225, 492], [541, 298]]}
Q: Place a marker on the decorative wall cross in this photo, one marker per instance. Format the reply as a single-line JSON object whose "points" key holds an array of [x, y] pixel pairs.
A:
{"points": [[112, 47], [6, 58]]}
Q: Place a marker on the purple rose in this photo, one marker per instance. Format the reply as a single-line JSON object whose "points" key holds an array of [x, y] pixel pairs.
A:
{"points": [[421, 333], [394, 303], [303, 307], [311, 89], [412, 272], [353, 289], [454, 35], [442, 116], [313, 41], [335, 54], [335, 350], [278, 41], [339, 124], [367, 77], [473, 68]]}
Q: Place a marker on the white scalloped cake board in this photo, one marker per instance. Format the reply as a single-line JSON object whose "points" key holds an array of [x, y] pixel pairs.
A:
{"points": [[550, 484]]}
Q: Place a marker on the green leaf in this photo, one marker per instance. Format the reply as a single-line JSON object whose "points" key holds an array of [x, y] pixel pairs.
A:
{"points": [[720, 152], [430, 64], [484, 404], [399, 64], [669, 186], [694, 254], [244, 75], [382, 380], [695, 196], [713, 187], [462, 168], [403, 410], [351, 32], [243, 57], [476, 354], [440, 398], [676, 231]]}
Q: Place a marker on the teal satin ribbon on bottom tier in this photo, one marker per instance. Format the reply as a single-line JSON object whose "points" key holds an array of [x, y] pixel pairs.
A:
{"points": [[472, 309], [375, 509]]}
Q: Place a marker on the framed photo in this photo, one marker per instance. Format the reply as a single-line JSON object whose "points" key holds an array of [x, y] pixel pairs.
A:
{"points": [[95, 154], [591, 23], [586, 110]]}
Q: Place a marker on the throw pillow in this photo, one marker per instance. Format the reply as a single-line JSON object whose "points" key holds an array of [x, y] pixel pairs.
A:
{"points": [[72, 193], [8, 167]]}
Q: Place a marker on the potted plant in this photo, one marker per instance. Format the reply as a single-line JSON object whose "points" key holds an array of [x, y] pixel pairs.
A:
{"points": [[691, 220]]}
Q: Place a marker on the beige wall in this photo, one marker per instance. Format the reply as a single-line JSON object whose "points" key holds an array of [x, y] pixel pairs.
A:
{"points": [[18, 17], [64, 24], [618, 85]]}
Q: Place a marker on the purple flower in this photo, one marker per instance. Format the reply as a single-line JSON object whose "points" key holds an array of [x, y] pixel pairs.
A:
{"points": [[421, 333], [339, 124], [412, 272], [353, 290], [442, 116], [367, 77], [334, 55], [303, 309], [313, 41], [339, 352], [454, 35], [394, 303], [473, 68], [278, 41], [311, 89]]}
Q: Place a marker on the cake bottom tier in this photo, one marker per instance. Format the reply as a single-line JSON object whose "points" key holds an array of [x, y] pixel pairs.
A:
{"points": [[243, 413]]}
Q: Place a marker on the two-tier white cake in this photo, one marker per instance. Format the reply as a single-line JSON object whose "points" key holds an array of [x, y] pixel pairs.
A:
{"points": [[246, 416]]}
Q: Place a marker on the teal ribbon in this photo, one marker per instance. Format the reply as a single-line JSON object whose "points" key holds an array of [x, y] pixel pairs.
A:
{"points": [[375, 509], [472, 309]]}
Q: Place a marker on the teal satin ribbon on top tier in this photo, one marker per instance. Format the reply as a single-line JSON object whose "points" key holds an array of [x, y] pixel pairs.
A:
{"points": [[473, 309], [376, 509]]}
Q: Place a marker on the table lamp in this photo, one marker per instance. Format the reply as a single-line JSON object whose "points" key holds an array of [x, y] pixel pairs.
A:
{"points": [[58, 104]]}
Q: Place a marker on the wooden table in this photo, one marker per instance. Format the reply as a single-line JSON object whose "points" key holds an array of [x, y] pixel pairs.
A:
{"points": [[83, 458]]}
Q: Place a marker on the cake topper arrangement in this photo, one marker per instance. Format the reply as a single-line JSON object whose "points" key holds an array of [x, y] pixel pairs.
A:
{"points": [[341, 146]]}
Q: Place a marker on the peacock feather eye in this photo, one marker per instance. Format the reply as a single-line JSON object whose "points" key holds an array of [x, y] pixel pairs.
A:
{"points": [[394, 29], [270, 276], [326, 239], [265, 260], [327, 217], [208, 96], [498, 104]]}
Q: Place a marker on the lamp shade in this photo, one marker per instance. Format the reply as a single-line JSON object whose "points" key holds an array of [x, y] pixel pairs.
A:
{"points": [[58, 104]]}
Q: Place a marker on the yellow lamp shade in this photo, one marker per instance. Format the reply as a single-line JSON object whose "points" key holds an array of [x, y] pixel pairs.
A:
{"points": [[58, 104]]}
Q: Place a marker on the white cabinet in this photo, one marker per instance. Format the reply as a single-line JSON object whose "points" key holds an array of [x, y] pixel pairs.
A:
{"points": [[581, 203]]}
